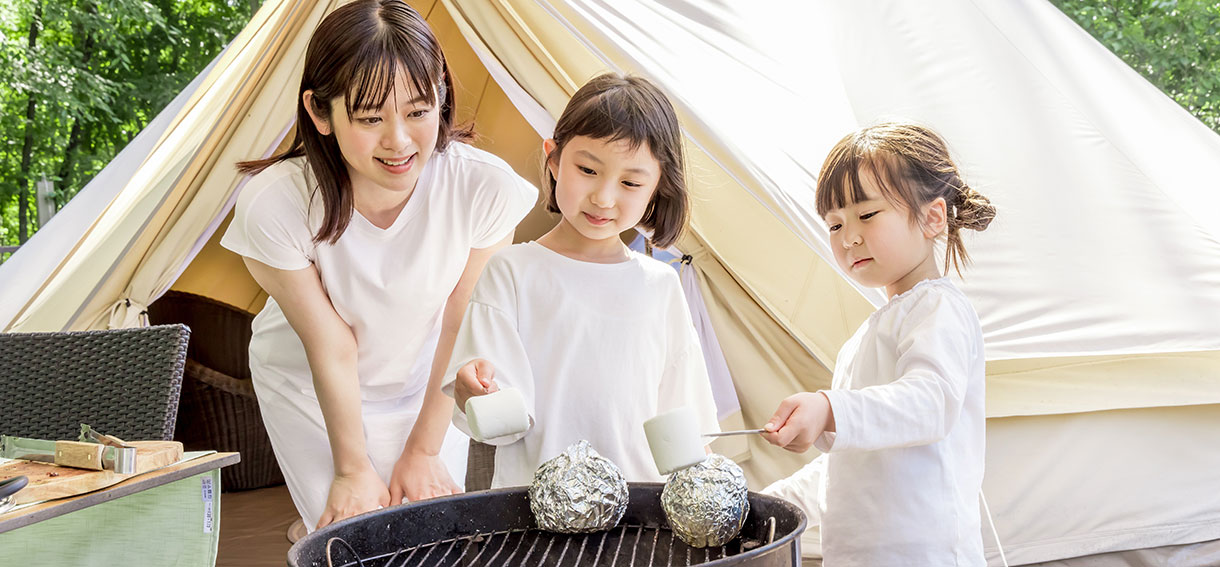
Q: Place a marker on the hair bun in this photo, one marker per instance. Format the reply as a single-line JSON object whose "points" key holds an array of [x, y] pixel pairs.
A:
{"points": [[973, 210]]}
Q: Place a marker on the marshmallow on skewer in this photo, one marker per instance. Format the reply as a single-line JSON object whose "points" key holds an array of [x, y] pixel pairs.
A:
{"points": [[674, 440], [497, 414]]}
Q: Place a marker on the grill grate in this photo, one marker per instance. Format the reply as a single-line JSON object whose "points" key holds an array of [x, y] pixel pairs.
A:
{"points": [[624, 546], [437, 533]]}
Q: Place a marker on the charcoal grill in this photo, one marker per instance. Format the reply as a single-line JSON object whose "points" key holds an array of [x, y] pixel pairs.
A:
{"points": [[495, 528]]}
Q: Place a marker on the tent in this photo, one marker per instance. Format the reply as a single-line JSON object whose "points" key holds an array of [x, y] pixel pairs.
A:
{"points": [[1098, 286]]}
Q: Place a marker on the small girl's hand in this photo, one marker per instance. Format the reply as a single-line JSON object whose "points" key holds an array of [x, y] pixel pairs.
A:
{"points": [[799, 421], [476, 378]]}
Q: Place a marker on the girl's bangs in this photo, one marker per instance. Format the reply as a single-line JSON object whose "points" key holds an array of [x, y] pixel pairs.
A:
{"points": [[840, 184]]}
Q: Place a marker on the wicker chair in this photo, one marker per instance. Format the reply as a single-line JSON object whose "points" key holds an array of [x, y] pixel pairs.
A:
{"points": [[219, 410], [123, 382]]}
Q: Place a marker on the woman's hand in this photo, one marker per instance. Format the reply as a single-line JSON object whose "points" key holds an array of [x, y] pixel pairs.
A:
{"points": [[799, 421], [476, 378], [352, 494], [418, 476]]}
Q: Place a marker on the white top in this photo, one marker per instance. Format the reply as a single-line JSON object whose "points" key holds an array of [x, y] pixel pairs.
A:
{"points": [[596, 349], [905, 466], [390, 285]]}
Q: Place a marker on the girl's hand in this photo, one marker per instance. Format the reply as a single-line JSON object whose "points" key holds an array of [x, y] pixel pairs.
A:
{"points": [[352, 494], [799, 421], [418, 476], [476, 378]]}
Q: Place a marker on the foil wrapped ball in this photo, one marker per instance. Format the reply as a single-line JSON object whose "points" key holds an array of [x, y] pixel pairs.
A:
{"points": [[578, 491], [706, 504]]}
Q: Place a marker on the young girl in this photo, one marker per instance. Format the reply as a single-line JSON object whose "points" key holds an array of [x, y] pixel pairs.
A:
{"points": [[597, 337], [368, 234], [903, 426]]}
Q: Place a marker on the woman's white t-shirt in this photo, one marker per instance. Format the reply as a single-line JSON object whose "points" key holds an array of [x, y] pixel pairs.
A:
{"points": [[596, 349], [390, 285]]}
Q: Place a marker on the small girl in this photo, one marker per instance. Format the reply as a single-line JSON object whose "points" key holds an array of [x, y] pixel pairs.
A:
{"points": [[903, 425], [596, 337]]}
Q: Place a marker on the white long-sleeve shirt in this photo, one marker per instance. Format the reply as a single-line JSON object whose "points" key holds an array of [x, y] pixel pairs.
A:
{"points": [[904, 468], [596, 349]]}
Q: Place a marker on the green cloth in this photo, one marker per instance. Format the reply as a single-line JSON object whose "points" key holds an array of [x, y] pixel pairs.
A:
{"points": [[162, 526]]}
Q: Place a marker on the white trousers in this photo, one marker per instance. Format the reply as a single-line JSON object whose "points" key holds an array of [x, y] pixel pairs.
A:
{"points": [[298, 434]]}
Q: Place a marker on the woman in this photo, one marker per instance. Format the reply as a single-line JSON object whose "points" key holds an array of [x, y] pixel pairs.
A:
{"points": [[368, 234]]}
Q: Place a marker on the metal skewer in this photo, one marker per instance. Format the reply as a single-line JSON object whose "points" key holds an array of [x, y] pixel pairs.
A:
{"points": [[738, 432]]}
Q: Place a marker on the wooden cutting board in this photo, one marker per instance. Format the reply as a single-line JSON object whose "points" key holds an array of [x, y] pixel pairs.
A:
{"points": [[48, 481]]}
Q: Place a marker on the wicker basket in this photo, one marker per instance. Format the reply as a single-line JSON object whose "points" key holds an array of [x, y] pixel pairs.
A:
{"points": [[218, 409]]}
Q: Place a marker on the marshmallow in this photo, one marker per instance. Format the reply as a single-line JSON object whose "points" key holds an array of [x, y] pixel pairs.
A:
{"points": [[497, 414], [674, 440]]}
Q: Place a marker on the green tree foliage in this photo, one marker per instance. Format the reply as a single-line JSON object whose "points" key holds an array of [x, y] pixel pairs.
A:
{"points": [[1175, 44], [80, 78]]}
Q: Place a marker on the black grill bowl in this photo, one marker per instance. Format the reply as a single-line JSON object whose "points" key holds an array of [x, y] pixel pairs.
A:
{"points": [[495, 528]]}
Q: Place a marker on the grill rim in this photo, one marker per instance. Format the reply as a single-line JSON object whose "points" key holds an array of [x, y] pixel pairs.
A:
{"points": [[639, 491]]}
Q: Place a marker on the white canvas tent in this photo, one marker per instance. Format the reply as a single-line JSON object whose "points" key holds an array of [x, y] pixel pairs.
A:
{"points": [[1098, 286]]}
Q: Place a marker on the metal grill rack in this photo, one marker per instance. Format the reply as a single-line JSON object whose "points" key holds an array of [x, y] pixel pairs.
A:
{"points": [[624, 546], [496, 529]]}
